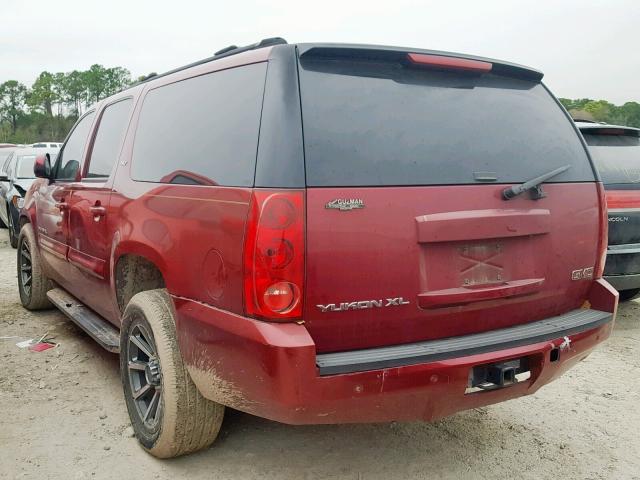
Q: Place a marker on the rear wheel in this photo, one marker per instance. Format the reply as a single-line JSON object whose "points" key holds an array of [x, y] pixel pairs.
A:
{"points": [[168, 414], [628, 294], [32, 283]]}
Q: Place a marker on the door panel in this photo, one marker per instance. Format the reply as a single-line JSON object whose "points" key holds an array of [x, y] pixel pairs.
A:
{"points": [[52, 224], [89, 240], [89, 246]]}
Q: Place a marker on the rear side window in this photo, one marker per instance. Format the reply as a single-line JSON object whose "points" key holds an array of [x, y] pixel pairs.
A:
{"points": [[617, 156], [370, 123], [203, 130], [69, 160], [108, 141]]}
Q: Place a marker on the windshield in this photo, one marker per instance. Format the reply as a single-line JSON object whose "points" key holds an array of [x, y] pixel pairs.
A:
{"points": [[25, 166], [370, 123], [616, 156]]}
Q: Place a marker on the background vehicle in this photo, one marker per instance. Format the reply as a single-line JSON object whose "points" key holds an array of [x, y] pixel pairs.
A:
{"points": [[14, 182], [46, 145], [398, 259], [5, 151], [616, 152]]}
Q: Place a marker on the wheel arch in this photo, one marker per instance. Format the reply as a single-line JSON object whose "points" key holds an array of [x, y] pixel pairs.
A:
{"points": [[135, 267]]}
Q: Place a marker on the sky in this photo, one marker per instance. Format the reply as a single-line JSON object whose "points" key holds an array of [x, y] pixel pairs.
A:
{"points": [[586, 48]]}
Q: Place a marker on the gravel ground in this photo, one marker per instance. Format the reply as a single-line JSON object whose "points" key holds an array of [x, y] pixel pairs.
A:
{"points": [[62, 415]]}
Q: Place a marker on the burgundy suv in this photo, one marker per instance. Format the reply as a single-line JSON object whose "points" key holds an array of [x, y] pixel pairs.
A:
{"points": [[323, 233]]}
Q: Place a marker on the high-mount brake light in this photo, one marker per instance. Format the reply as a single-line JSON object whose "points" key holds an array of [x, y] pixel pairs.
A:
{"points": [[450, 63], [274, 255]]}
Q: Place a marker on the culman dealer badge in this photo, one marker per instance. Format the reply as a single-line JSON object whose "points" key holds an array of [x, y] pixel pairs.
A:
{"points": [[345, 204]]}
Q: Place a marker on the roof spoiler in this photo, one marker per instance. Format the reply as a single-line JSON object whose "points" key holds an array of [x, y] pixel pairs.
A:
{"points": [[426, 58]]}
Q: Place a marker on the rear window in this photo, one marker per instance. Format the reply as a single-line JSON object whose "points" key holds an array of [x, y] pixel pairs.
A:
{"points": [[202, 130], [370, 122], [617, 157]]}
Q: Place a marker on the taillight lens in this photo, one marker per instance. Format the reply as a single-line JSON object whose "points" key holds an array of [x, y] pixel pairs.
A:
{"points": [[274, 255], [603, 236], [623, 198]]}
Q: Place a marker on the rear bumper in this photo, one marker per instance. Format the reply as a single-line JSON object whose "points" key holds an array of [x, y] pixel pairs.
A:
{"points": [[622, 269], [624, 282], [272, 370]]}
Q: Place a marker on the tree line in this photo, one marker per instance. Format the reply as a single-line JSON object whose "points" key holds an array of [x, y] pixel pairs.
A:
{"points": [[50, 107], [603, 111]]}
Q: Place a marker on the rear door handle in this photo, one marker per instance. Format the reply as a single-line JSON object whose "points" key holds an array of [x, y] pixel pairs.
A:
{"points": [[98, 211]]}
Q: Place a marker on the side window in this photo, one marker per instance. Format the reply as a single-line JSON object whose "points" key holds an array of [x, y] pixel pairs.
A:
{"points": [[203, 130], [108, 141], [70, 157]]}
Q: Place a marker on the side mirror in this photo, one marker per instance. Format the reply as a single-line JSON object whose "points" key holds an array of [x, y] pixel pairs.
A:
{"points": [[42, 166]]}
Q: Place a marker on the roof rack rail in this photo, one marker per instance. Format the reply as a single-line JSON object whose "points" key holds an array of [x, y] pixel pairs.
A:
{"points": [[225, 52], [233, 49]]}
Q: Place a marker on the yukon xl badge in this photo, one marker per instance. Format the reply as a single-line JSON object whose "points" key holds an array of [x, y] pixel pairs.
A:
{"points": [[345, 204], [363, 305]]}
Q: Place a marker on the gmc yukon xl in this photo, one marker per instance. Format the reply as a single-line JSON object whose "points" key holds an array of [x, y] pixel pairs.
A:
{"points": [[322, 233]]}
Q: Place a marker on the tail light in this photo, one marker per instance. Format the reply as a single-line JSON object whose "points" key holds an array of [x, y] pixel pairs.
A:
{"points": [[623, 198], [274, 255], [603, 234]]}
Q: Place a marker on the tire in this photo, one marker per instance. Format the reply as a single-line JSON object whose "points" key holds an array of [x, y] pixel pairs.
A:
{"points": [[13, 238], [33, 285], [626, 295], [179, 420], [2, 224]]}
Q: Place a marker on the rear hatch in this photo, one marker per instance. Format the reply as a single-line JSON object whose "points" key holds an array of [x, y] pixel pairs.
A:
{"points": [[408, 236], [616, 153]]}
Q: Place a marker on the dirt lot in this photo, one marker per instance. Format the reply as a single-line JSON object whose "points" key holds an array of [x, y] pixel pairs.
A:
{"points": [[62, 415]]}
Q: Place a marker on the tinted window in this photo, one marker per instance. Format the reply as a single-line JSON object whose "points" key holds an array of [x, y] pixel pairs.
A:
{"points": [[384, 123], [106, 146], [616, 156], [25, 166], [70, 158], [203, 130]]}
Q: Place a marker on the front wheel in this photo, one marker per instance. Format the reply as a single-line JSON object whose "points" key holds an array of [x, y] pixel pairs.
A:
{"points": [[32, 282], [168, 414], [628, 294]]}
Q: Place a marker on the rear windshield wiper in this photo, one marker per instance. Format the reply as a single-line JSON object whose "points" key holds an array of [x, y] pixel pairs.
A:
{"points": [[533, 185]]}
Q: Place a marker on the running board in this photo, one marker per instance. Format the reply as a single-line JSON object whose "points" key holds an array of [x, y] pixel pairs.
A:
{"points": [[107, 336]]}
